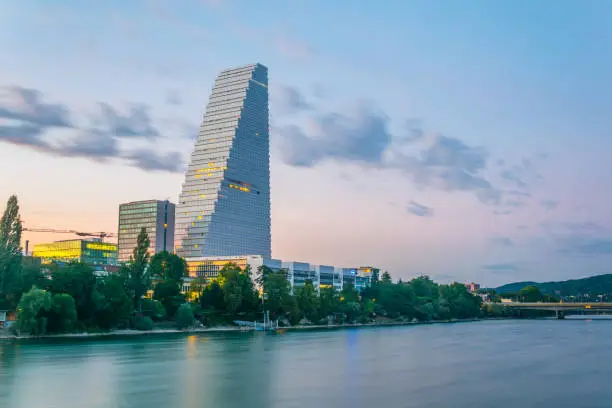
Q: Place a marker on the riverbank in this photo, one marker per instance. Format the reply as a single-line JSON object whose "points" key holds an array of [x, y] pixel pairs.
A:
{"points": [[5, 335]]}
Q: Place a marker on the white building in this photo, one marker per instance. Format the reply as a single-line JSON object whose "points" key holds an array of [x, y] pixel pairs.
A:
{"points": [[322, 276]]}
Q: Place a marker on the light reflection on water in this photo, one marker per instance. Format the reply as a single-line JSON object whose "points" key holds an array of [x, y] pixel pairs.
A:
{"points": [[482, 364]]}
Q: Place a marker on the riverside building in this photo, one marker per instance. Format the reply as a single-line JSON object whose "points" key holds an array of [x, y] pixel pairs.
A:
{"points": [[322, 276]]}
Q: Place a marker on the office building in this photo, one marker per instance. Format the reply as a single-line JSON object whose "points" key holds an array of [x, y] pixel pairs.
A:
{"points": [[93, 252], [157, 217], [321, 276], [224, 204]]}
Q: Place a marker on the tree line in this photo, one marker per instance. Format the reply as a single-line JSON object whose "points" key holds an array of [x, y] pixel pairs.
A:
{"points": [[147, 292]]}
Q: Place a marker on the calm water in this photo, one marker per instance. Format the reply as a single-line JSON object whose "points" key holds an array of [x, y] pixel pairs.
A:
{"points": [[483, 364]]}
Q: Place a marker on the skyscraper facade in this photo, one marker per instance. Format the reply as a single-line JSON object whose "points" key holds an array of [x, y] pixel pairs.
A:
{"points": [[157, 217], [224, 205]]}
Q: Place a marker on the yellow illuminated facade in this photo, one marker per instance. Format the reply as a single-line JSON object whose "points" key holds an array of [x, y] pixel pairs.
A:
{"points": [[92, 252], [209, 268]]}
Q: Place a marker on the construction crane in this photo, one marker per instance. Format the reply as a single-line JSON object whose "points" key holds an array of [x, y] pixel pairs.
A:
{"points": [[100, 235]]}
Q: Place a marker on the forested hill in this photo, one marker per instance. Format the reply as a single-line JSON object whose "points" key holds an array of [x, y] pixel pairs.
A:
{"points": [[594, 285]]}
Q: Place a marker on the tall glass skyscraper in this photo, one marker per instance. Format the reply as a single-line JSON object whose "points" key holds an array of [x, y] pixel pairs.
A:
{"points": [[224, 205]]}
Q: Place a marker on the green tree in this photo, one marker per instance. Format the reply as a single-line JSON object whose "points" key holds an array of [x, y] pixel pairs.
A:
{"points": [[239, 294], [10, 255], [308, 301], [229, 279], [31, 275], [197, 287], [213, 297], [168, 292], [386, 277], [167, 266], [349, 293], [153, 309], [277, 292], [116, 307], [184, 317], [79, 281], [329, 302], [62, 315], [31, 317], [530, 294], [136, 270]]}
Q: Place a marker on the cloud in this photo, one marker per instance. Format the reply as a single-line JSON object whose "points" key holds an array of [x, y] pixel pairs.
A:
{"points": [[25, 120], [500, 267], [549, 204], [362, 137], [173, 97], [26, 105], [147, 159], [415, 131], [290, 100], [92, 144], [513, 175], [501, 241], [24, 134], [582, 238], [587, 246], [135, 123], [441, 162], [451, 165], [420, 210]]}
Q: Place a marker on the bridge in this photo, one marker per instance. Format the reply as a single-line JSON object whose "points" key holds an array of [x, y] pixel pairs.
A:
{"points": [[561, 309]]}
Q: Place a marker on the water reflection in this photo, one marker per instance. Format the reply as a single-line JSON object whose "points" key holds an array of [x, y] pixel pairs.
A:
{"points": [[522, 363]]}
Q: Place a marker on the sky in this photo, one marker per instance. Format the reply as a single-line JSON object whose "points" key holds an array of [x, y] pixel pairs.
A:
{"points": [[465, 140]]}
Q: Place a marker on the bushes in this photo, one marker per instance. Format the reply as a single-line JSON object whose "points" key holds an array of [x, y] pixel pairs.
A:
{"points": [[143, 323], [184, 317]]}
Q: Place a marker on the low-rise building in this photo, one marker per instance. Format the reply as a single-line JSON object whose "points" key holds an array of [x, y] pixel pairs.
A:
{"points": [[472, 287], [93, 252]]}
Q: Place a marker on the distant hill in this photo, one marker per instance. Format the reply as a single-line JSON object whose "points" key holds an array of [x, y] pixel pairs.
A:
{"points": [[594, 285]]}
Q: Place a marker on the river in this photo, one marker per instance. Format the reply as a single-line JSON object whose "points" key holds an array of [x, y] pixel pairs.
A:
{"points": [[530, 363]]}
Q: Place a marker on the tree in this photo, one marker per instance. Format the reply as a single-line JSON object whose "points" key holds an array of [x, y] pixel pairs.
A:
{"points": [[138, 280], [62, 316], [153, 309], [277, 291], [308, 301], [239, 295], [117, 306], [213, 297], [79, 281], [329, 302], [196, 287], [167, 266], [168, 292], [229, 279], [184, 317], [31, 318], [10, 254], [386, 277], [530, 294]]}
